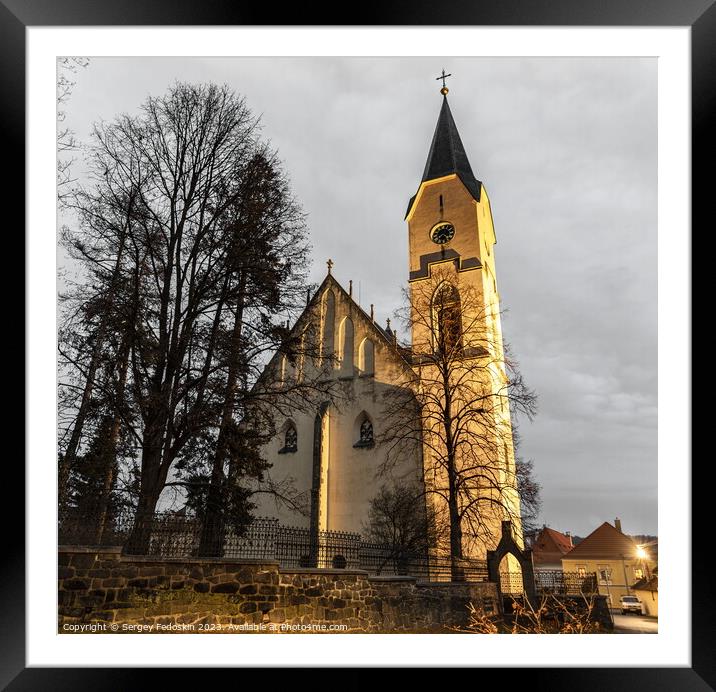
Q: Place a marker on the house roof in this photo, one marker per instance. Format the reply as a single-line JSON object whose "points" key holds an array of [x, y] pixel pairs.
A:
{"points": [[550, 546], [605, 542], [447, 155]]}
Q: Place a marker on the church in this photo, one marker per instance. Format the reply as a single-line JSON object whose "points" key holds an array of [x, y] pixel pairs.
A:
{"points": [[452, 439]]}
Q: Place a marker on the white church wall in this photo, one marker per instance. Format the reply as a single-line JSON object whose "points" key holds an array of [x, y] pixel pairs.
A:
{"points": [[351, 475]]}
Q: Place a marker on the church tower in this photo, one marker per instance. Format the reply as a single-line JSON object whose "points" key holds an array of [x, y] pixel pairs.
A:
{"points": [[457, 346]]}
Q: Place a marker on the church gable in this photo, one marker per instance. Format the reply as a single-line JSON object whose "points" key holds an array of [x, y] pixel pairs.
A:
{"points": [[342, 334]]}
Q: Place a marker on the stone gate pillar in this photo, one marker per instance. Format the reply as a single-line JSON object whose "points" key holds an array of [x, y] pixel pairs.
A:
{"points": [[508, 545]]}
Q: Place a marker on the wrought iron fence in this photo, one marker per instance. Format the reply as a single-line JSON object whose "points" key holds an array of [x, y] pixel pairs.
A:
{"points": [[177, 535], [76, 528], [565, 583], [382, 559]]}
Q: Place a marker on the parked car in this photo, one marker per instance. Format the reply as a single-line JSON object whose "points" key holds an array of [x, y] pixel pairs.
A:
{"points": [[630, 604]]}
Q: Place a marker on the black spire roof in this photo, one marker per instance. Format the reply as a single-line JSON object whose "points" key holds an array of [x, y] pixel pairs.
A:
{"points": [[447, 155]]}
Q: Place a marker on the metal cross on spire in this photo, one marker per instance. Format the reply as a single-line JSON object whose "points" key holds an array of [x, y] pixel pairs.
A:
{"points": [[330, 265], [444, 76]]}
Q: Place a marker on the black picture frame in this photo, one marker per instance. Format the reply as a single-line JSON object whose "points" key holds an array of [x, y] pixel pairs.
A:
{"points": [[16, 15]]}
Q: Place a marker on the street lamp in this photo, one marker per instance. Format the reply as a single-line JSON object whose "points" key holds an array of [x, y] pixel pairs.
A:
{"points": [[642, 556]]}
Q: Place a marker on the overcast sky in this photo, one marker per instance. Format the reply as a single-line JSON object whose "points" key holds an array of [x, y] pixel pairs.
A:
{"points": [[566, 148]]}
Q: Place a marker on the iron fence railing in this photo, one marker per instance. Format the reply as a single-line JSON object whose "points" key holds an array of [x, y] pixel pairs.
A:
{"points": [[551, 582], [183, 535], [566, 583]]}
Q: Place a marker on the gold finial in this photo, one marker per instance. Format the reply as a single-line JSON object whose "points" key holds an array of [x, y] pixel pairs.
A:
{"points": [[443, 76], [330, 265]]}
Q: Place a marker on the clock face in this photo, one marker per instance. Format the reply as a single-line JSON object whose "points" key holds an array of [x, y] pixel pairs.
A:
{"points": [[442, 233]]}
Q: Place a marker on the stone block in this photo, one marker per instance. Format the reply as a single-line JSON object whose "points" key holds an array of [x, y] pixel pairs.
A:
{"points": [[248, 608], [277, 615], [138, 583], [127, 572], [65, 572], [264, 576], [201, 587], [151, 571], [225, 587], [113, 582], [245, 575], [83, 560], [248, 589], [98, 573], [76, 584]]}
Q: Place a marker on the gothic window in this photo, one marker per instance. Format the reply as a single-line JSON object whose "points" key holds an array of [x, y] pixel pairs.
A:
{"points": [[366, 357], [364, 431], [329, 320], [290, 440], [447, 316], [346, 345]]}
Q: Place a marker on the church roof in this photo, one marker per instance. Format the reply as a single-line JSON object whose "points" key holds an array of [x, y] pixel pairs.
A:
{"points": [[447, 155], [605, 542], [386, 335]]}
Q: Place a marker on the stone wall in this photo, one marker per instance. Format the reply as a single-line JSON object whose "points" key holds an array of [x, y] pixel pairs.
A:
{"points": [[100, 586]]}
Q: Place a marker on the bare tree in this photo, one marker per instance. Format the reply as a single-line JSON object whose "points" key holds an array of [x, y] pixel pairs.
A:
{"points": [[194, 251], [529, 490], [467, 387], [398, 522], [67, 143]]}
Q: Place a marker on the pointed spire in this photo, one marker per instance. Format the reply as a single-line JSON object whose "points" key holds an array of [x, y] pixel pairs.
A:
{"points": [[447, 155]]}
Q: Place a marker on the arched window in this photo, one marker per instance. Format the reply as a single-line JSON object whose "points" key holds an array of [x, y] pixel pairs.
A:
{"points": [[366, 357], [447, 316], [329, 320], [290, 439], [363, 431], [345, 354]]}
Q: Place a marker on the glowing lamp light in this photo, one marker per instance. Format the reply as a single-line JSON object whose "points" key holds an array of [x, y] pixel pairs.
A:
{"points": [[641, 553]]}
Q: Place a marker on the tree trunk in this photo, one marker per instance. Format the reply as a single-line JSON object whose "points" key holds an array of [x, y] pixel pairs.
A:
{"points": [[110, 460], [212, 535], [150, 488], [68, 458]]}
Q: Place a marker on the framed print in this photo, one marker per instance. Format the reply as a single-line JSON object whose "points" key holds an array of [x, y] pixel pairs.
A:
{"points": [[227, 451]]}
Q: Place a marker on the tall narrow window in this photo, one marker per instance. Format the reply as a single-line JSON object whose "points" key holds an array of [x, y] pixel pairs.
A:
{"points": [[345, 353], [366, 357], [290, 439], [447, 315], [329, 320]]}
